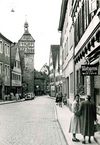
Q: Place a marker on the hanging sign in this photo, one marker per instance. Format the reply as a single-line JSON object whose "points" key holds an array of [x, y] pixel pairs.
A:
{"points": [[89, 70]]}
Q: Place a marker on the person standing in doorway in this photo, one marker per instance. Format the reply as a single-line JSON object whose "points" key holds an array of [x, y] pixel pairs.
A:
{"points": [[75, 119], [88, 115]]}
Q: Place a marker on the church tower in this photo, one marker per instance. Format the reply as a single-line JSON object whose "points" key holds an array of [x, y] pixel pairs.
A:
{"points": [[26, 47]]}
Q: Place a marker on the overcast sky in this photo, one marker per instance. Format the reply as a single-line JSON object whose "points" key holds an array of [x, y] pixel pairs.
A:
{"points": [[43, 19]]}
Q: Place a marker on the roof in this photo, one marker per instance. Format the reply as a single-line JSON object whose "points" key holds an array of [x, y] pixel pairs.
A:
{"points": [[55, 52], [1, 35], [62, 14], [26, 36]]}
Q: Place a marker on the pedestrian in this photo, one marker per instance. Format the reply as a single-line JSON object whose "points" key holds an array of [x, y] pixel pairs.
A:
{"points": [[17, 96], [65, 99], [12, 95], [75, 122], [57, 99], [60, 99], [88, 116]]}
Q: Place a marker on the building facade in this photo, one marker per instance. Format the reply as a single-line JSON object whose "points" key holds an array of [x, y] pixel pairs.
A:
{"points": [[67, 46], [26, 48], [86, 19], [5, 46], [80, 43], [55, 72], [16, 73]]}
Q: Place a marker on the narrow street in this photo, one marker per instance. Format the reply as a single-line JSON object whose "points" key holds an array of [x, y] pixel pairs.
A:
{"points": [[31, 122]]}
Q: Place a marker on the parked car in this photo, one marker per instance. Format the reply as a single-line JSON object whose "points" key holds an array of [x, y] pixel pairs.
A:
{"points": [[29, 96]]}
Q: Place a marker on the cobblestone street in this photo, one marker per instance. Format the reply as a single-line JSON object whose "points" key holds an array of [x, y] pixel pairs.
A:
{"points": [[30, 123]]}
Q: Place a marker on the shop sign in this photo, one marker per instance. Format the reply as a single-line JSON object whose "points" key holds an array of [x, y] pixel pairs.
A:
{"points": [[92, 5], [89, 70]]}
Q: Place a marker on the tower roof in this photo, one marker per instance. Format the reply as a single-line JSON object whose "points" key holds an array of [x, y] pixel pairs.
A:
{"points": [[26, 36]]}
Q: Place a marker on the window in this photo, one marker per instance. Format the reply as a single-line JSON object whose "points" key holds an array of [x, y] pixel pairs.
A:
{"points": [[17, 64], [1, 47], [66, 48], [1, 67], [7, 70], [71, 37], [7, 50], [16, 77], [80, 82]]}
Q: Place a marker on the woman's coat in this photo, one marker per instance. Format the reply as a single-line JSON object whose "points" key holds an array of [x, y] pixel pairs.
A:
{"points": [[75, 120], [88, 116]]}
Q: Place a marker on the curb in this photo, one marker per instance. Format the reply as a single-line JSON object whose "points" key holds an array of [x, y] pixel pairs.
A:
{"points": [[3, 103], [62, 132], [96, 141], [56, 116]]}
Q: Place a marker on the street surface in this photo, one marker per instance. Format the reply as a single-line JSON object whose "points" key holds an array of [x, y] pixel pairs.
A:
{"points": [[30, 123]]}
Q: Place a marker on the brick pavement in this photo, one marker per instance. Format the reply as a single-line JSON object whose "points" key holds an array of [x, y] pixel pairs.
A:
{"points": [[30, 123]]}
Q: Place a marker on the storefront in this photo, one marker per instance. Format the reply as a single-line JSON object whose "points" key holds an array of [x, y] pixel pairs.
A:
{"points": [[89, 83]]}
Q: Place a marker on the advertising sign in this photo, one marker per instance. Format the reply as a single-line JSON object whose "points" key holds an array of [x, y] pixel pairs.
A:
{"points": [[89, 70]]}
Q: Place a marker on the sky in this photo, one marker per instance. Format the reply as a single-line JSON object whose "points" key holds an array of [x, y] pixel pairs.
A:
{"points": [[43, 19]]}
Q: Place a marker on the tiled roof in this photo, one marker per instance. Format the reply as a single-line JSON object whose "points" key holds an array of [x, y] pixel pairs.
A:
{"points": [[1, 35]]}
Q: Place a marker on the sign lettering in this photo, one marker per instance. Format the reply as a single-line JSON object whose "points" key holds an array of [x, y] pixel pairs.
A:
{"points": [[89, 70]]}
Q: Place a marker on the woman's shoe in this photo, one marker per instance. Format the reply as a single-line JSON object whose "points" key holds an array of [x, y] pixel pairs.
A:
{"points": [[77, 140], [83, 142], [74, 139], [89, 141]]}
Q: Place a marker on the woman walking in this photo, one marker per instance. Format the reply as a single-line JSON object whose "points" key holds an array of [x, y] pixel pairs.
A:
{"points": [[75, 122]]}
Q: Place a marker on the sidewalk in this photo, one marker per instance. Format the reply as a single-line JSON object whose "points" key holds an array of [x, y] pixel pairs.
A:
{"points": [[9, 102], [64, 115]]}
